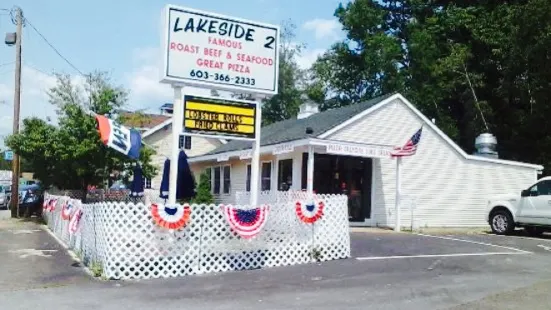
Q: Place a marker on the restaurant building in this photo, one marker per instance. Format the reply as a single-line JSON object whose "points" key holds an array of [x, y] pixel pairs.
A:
{"points": [[349, 149]]}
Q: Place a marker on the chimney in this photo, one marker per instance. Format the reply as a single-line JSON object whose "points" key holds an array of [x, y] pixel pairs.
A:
{"points": [[486, 145], [308, 108]]}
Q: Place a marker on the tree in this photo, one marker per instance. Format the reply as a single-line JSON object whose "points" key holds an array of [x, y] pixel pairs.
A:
{"points": [[72, 155], [38, 141], [204, 195], [286, 103], [4, 164], [291, 83], [474, 66]]}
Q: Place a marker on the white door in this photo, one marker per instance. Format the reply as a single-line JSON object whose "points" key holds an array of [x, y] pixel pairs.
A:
{"points": [[536, 208]]}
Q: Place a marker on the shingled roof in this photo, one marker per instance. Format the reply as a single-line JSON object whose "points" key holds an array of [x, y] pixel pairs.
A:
{"points": [[142, 120], [295, 129]]}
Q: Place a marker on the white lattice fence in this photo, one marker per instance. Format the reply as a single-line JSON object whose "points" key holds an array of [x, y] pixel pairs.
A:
{"points": [[124, 239], [243, 198]]}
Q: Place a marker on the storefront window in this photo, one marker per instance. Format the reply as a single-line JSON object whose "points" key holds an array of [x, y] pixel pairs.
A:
{"points": [[285, 174], [216, 187], [227, 180], [266, 176], [248, 186]]}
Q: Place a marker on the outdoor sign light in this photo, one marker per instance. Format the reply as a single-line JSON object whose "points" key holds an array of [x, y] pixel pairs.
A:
{"points": [[214, 51], [11, 38]]}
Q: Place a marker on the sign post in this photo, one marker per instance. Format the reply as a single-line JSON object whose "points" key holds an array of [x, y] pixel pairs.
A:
{"points": [[177, 120], [255, 161], [213, 51]]}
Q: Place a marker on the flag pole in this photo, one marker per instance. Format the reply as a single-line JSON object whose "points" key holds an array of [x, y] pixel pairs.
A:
{"points": [[398, 193]]}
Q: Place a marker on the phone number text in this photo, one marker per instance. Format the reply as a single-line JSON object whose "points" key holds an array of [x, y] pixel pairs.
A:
{"points": [[238, 80]]}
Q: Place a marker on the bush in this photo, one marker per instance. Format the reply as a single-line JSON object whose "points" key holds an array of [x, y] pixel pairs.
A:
{"points": [[203, 196]]}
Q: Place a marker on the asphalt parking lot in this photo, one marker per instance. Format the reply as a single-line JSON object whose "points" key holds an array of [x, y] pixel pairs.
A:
{"points": [[387, 271]]}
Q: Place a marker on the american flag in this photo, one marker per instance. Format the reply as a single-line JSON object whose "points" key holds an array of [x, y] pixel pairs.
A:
{"points": [[410, 147]]}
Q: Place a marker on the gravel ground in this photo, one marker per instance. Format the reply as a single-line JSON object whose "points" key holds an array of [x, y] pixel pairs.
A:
{"points": [[533, 297]]}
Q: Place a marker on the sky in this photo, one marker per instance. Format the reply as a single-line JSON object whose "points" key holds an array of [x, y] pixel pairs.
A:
{"points": [[122, 37]]}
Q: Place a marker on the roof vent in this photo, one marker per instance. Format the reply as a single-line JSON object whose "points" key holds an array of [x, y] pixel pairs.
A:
{"points": [[308, 108], [486, 145], [167, 109]]}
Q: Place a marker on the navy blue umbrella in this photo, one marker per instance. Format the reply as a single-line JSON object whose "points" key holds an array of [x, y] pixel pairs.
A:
{"points": [[136, 188], [164, 182], [185, 188], [185, 184]]}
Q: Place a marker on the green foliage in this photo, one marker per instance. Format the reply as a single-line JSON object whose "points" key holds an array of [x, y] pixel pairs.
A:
{"points": [[96, 268], [4, 164], [455, 60], [71, 155], [286, 103], [204, 195]]}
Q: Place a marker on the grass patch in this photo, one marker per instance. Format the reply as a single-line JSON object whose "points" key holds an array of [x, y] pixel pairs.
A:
{"points": [[315, 254], [96, 268]]}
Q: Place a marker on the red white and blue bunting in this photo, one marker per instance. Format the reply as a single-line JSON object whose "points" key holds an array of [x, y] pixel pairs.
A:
{"points": [[74, 223], [309, 212], [46, 204], [49, 205], [171, 216], [246, 223], [67, 209]]}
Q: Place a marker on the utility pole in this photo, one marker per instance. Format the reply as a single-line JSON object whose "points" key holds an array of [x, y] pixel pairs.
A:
{"points": [[16, 106]]}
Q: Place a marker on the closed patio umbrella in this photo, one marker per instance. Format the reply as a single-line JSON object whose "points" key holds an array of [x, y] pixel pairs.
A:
{"points": [[137, 186], [185, 188], [185, 184], [164, 182]]}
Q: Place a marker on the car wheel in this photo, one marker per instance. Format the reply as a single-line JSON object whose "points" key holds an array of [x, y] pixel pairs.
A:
{"points": [[502, 222], [533, 231]]}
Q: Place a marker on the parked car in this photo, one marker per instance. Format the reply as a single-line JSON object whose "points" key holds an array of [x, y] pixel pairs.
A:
{"points": [[530, 209], [4, 196], [31, 198]]}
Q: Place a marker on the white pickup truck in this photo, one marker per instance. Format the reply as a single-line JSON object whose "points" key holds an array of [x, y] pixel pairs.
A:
{"points": [[530, 209]]}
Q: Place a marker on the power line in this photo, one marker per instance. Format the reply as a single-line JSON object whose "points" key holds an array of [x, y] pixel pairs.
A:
{"points": [[7, 63], [39, 70], [55, 49]]}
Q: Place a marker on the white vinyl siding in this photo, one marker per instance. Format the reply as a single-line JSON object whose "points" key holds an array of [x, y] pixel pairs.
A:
{"points": [[450, 190]]}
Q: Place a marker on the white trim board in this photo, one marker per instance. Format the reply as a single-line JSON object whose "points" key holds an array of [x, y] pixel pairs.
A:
{"points": [[427, 123], [266, 149]]}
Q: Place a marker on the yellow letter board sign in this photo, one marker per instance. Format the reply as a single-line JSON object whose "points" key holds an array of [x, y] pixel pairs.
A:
{"points": [[219, 117]]}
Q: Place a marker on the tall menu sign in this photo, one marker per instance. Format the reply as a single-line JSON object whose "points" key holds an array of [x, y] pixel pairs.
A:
{"points": [[213, 51]]}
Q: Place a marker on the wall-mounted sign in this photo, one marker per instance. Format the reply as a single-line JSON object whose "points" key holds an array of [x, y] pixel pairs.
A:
{"points": [[219, 117], [283, 148], [215, 51], [358, 150], [8, 155], [222, 157], [247, 154]]}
